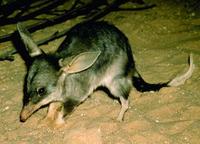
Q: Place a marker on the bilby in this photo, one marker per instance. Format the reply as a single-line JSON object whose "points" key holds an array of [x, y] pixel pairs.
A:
{"points": [[94, 54]]}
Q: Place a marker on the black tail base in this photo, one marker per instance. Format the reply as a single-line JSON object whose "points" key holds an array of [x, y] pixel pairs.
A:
{"points": [[143, 86]]}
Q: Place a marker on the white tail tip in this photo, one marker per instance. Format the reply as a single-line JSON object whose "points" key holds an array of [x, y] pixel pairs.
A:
{"points": [[179, 80]]}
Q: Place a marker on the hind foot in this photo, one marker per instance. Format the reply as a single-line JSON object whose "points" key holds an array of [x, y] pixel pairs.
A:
{"points": [[124, 108]]}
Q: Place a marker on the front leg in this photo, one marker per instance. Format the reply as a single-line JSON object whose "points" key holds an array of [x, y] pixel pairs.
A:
{"points": [[57, 111], [55, 115]]}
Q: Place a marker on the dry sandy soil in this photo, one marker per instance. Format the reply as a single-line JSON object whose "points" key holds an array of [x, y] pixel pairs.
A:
{"points": [[161, 39]]}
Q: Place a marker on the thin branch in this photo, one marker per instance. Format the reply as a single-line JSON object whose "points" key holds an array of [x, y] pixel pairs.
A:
{"points": [[68, 15], [21, 16], [8, 55]]}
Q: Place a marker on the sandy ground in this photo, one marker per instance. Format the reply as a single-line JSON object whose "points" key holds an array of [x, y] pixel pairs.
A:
{"points": [[161, 39]]}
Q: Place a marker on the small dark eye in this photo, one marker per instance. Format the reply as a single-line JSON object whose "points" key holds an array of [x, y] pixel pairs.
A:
{"points": [[41, 91]]}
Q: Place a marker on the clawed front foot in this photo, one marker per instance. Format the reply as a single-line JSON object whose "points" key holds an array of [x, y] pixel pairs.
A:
{"points": [[54, 116]]}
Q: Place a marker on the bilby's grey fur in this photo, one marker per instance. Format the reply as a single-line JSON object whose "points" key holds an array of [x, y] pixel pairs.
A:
{"points": [[94, 54]]}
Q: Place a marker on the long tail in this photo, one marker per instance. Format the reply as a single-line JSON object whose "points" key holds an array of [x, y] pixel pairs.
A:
{"points": [[140, 84]]}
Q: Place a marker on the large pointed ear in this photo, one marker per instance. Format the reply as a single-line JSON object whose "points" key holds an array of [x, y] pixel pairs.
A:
{"points": [[81, 62], [31, 46]]}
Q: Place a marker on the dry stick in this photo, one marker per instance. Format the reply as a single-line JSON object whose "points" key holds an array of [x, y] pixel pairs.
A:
{"points": [[26, 12], [68, 15], [8, 55]]}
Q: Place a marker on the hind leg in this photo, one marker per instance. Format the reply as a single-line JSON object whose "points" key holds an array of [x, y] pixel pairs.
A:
{"points": [[124, 108], [120, 88]]}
